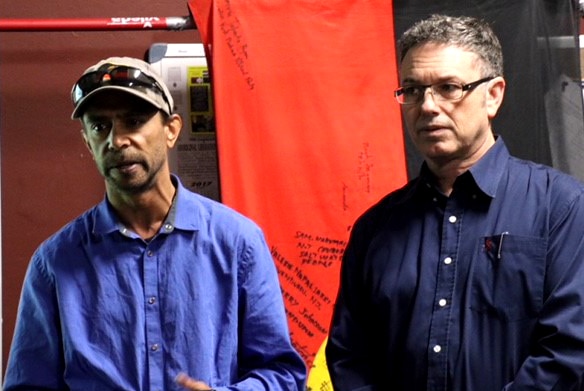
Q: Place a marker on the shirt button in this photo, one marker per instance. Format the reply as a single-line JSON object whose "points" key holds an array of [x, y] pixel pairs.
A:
{"points": [[168, 227], [437, 348], [452, 219], [152, 300], [442, 302], [448, 260], [150, 253], [154, 347]]}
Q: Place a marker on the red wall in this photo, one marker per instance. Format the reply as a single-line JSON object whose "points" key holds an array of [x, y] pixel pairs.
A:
{"points": [[47, 176]]}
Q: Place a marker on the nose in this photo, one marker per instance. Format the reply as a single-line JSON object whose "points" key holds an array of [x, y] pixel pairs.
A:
{"points": [[117, 138], [428, 104]]}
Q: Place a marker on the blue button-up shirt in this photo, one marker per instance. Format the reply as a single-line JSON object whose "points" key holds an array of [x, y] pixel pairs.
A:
{"points": [[479, 291], [102, 309]]}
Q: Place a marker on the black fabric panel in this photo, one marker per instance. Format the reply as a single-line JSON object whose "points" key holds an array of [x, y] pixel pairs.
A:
{"points": [[542, 116]]}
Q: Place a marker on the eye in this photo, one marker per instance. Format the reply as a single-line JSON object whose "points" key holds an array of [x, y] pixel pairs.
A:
{"points": [[136, 121], [133, 122], [448, 90], [99, 127], [412, 91]]}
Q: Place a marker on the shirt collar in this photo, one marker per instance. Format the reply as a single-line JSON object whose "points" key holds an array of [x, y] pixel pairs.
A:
{"points": [[488, 170], [486, 173], [182, 214]]}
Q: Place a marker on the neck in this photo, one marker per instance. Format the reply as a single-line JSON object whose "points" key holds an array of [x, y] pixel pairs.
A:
{"points": [[446, 177], [145, 212], [447, 170]]}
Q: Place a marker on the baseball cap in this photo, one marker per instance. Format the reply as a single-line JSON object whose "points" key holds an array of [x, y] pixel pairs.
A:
{"points": [[125, 74]]}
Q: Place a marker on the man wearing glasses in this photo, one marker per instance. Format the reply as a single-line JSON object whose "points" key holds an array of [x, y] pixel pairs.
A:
{"points": [[470, 277], [156, 288]]}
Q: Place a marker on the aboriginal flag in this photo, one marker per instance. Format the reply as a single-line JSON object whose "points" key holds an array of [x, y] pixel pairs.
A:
{"points": [[308, 132]]}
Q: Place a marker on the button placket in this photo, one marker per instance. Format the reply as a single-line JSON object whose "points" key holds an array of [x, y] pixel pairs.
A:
{"points": [[445, 281], [154, 333]]}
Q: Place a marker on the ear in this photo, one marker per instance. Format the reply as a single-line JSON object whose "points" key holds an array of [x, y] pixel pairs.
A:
{"points": [[173, 128], [495, 93]]}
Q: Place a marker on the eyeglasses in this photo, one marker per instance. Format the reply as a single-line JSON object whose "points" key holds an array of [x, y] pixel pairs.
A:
{"points": [[116, 75], [450, 91]]}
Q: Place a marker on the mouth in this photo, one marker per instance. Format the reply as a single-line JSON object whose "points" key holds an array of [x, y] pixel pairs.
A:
{"points": [[126, 167], [433, 130]]}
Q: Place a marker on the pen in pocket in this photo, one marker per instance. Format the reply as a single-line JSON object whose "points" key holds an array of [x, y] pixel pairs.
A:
{"points": [[500, 249]]}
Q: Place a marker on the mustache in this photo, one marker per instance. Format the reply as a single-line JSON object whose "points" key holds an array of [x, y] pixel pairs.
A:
{"points": [[118, 159]]}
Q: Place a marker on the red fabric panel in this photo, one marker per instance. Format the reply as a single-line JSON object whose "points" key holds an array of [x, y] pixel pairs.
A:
{"points": [[309, 134]]}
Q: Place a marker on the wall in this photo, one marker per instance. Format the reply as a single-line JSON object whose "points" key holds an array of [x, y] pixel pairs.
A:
{"points": [[47, 175]]}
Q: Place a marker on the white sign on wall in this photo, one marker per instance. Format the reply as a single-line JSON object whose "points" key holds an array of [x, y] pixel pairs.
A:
{"points": [[194, 159]]}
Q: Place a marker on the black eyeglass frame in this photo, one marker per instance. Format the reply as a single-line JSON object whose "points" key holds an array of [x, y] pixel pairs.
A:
{"points": [[464, 87], [93, 80]]}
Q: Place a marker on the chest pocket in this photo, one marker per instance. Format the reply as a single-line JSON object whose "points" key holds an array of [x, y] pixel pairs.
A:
{"points": [[508, 277]]}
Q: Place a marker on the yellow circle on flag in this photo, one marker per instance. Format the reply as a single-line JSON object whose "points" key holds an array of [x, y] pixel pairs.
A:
{"points": [[318, 376]]}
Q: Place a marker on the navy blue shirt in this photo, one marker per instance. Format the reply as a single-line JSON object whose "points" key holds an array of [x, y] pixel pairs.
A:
{"points": [[104, 310], [479, 291]]}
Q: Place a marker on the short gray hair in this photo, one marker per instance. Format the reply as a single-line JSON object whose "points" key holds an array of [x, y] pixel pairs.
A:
{"points": [[466, 32]]}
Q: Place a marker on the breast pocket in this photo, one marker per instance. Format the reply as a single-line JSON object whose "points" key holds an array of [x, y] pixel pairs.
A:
{"points": [[508, 276]]}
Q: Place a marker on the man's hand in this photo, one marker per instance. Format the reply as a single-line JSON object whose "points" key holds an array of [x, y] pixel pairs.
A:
{"points": [[190, 383]]}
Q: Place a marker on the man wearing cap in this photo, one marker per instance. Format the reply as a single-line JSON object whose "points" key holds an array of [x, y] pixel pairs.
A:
{"points": [[155, 288]]}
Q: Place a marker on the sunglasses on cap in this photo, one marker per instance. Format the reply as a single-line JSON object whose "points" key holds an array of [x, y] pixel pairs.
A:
{"points": [[114, 75]]}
